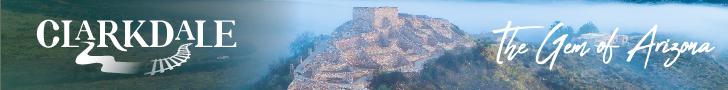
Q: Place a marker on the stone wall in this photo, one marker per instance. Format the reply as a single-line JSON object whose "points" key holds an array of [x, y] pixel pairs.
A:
{"points": [[375, 17]]}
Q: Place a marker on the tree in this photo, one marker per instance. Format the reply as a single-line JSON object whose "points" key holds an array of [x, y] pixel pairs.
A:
{"points": [[589, 27], [561, 31], [302, 43]]}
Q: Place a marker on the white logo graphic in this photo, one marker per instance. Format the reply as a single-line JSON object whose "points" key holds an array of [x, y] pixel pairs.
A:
{"points": [[161, 65], [110, 65], [107, 34]]}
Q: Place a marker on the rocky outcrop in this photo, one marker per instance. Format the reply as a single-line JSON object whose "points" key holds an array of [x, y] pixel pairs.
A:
{"points": [[378, 39]]}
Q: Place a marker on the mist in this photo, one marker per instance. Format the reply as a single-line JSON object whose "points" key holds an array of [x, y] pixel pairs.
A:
{"points": [[703, 22], [268, 27]]}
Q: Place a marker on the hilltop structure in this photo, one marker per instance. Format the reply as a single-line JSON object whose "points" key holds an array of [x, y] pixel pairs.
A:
{"points": [[378, 39]]}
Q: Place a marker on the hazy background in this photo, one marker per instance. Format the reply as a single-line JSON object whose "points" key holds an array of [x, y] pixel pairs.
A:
{"points": [[265, 29], [699, 21], [704, 21]]}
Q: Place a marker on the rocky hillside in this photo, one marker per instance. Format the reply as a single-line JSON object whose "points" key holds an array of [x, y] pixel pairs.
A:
{"points": [[377, 40]]}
